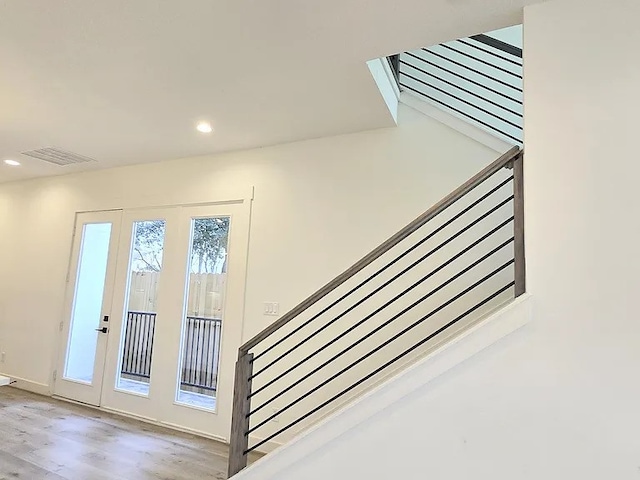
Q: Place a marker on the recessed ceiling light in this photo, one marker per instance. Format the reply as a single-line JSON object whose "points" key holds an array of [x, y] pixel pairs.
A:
{"points": [[204, 127], [13, 163]]}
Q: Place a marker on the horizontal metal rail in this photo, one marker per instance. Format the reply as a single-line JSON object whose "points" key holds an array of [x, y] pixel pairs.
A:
{"points": [[465, 90], [483, 62], [394, 240], [466, 102], [383, 269], [393, 318], [477, 72], [379, 369], [388, 341], [389, 282], [457, 75]]}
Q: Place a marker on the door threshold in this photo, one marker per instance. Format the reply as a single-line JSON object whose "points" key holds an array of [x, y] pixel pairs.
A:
{"points": [[75, 402]]}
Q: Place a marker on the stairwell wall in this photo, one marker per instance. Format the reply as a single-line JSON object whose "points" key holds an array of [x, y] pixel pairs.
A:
{"points": [[559, 398]]}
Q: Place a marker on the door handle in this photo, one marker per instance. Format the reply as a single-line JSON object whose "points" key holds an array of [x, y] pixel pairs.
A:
{"points": [[103, 329]]}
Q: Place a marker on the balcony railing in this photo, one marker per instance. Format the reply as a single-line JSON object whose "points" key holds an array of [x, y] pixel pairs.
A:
{"points": [[478, 79], [200, 352]]}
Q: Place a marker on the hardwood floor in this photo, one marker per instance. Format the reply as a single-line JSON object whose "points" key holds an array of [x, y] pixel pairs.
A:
{"points": [[43, 438]]}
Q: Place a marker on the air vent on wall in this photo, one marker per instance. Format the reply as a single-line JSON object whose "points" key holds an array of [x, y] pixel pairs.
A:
{"points": [[58, 156]]}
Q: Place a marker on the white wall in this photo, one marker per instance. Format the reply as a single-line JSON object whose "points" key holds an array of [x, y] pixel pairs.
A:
{"points": [[319, 205], [559, 398]]}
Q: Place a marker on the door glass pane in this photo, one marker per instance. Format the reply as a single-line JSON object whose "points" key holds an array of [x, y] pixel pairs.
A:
{"points": [[202, 322], [87, 302], [136, 350]]}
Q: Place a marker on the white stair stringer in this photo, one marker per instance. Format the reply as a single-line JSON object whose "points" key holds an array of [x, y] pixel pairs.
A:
{"points": [[455, 122]]}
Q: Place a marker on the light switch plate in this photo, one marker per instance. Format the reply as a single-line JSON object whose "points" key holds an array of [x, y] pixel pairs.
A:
{"points": [[271, 308]]}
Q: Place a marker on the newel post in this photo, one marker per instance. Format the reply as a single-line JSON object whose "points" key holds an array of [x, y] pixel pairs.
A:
{"points": [[239, 438], [518, 225]]}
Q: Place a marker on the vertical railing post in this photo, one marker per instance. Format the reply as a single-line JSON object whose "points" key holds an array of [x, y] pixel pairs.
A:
{"points": [[239, 439], [518, 225]]}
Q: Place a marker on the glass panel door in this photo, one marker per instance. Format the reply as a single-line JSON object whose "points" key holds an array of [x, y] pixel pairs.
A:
{"points": [[202, 329], [143, 279], [202, 321], [178, 310], [86, 324], [145, 269]]}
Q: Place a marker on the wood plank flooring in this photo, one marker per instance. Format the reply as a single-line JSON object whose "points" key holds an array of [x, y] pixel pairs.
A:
{"points": [[43, 438]]}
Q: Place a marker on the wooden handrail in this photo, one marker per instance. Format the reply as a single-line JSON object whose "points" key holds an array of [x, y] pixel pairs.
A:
{"points": [[447, 201]]}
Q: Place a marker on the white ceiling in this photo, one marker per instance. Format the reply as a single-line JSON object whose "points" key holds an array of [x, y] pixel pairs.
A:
{"points": [[125, 81]]}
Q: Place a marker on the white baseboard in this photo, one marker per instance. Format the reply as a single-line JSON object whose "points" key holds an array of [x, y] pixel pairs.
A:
{"points": [[29, 385]]}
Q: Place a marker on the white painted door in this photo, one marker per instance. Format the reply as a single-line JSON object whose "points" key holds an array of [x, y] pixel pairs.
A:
{"points": [[179, 303], [150, 237], [86, 324], [203, 330]]}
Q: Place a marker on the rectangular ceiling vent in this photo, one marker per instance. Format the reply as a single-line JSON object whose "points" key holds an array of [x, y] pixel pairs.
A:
{"points": [[58, 156]]}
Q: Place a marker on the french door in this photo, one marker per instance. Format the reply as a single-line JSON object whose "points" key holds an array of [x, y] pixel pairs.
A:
{"points": [[176, 314], [80, 371]]}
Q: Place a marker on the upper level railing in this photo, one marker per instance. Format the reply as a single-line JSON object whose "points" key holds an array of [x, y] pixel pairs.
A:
{"points": [[447, 268], [477, 78]]}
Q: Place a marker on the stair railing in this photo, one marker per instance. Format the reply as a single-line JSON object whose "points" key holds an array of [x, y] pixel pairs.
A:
{"points": [[503, 177], [477, 78]]}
